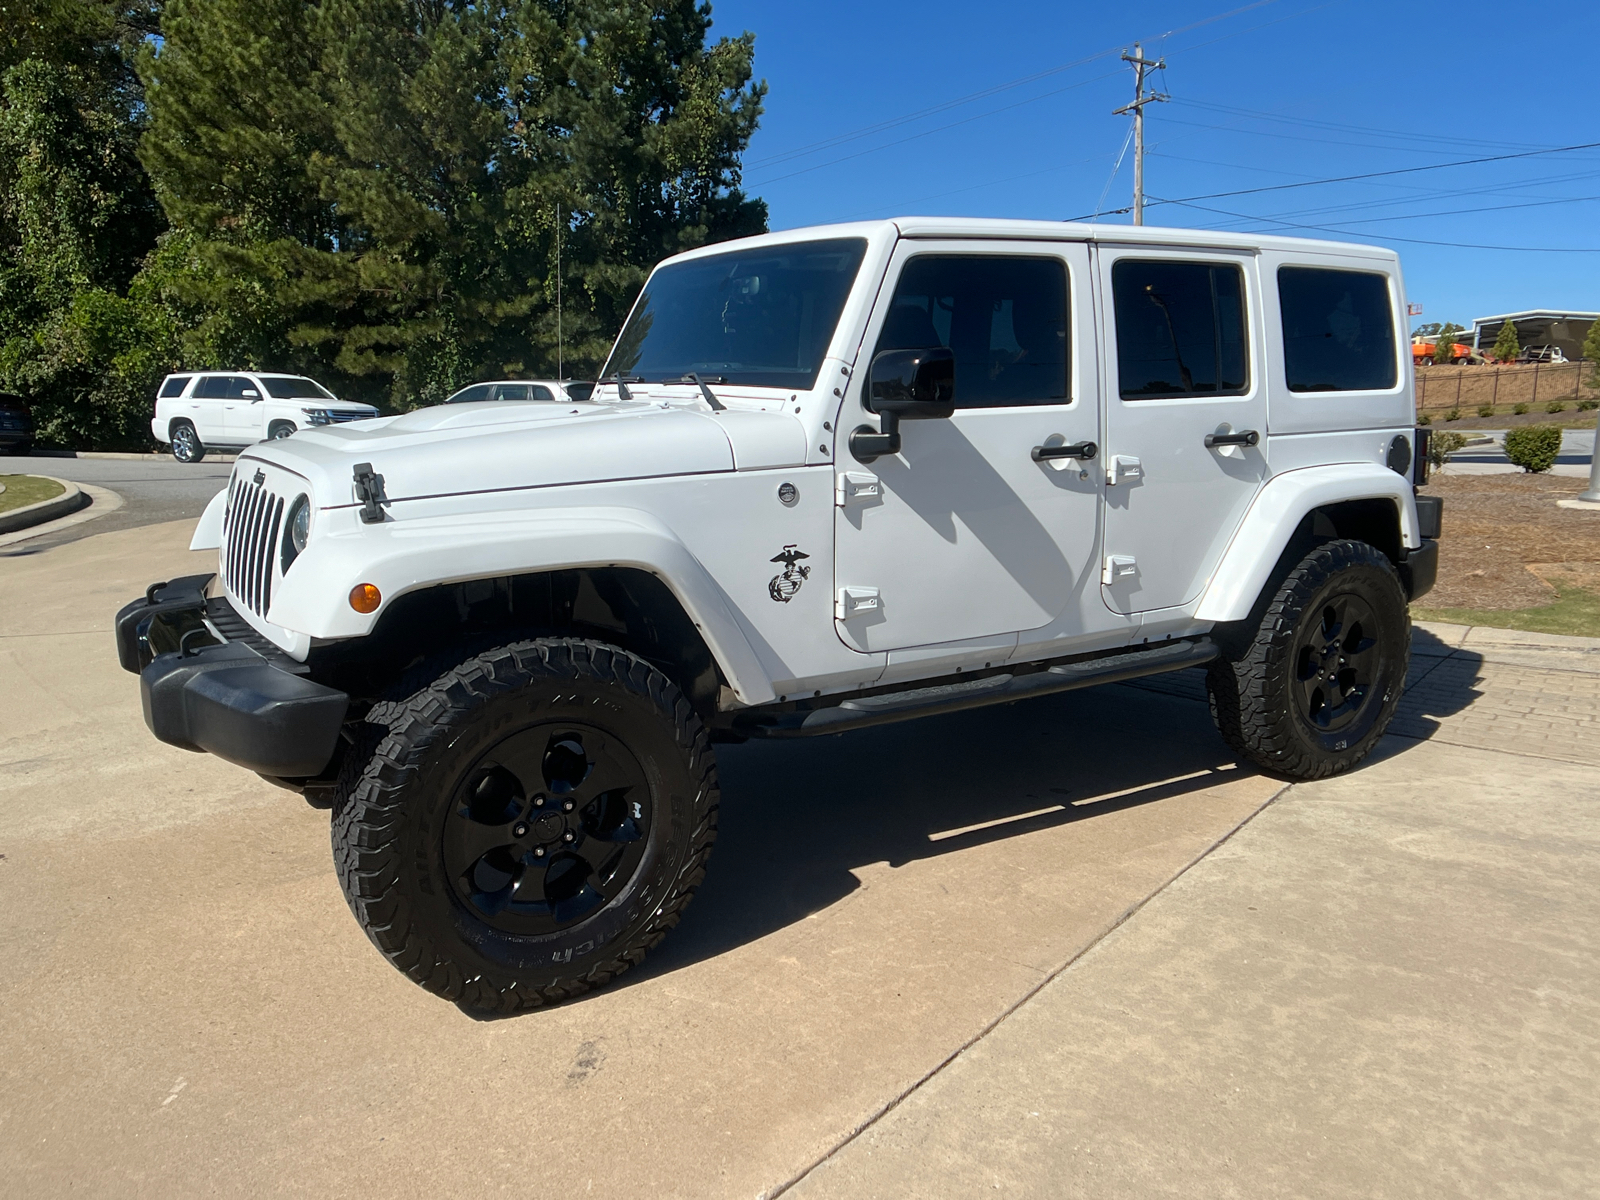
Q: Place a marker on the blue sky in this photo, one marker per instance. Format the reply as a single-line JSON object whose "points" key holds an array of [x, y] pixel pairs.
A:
{"points": [[1285, 92]]}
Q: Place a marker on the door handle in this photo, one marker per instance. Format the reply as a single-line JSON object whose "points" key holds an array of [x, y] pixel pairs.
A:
{"points": [[1081, 450], [1245, 437]]}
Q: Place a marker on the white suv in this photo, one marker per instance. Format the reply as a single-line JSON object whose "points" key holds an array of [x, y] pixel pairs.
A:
{"points": [[546, 390], [213, 410], [831, 478]]}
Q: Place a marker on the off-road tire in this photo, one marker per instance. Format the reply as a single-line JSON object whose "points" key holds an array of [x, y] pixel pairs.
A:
{"points": [[186, 444], [1254, 688], [393, 797]]}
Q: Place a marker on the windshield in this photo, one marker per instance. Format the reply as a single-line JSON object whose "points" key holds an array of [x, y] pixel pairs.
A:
{"points": [[294, 387], [761, 317]]}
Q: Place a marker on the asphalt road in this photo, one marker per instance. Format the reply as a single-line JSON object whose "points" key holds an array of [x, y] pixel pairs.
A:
{"points": [[154, 491]]}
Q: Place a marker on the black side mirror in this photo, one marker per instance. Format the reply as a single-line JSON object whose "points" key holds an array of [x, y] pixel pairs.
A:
{"points": [[909, 385]]}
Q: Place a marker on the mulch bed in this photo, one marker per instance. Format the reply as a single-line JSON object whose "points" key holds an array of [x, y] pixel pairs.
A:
{"points": [[1504, 541]]}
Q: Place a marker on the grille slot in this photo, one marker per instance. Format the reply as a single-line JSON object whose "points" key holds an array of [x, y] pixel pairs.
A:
{"points": [[339, 418], [250, 526]]}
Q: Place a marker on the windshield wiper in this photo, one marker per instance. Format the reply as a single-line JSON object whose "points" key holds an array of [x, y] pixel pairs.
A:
{"points": [[716, 405], [622, 388]]}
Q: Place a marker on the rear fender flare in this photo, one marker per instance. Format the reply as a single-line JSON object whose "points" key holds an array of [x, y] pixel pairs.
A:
{"points": [[1277, 512]]}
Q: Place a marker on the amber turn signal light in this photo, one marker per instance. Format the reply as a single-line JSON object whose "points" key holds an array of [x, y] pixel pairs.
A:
{"points": [[365, 598]]}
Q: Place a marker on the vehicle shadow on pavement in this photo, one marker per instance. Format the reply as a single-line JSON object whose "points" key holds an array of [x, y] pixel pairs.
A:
{"points": [[1441, 682], [798, 818]]}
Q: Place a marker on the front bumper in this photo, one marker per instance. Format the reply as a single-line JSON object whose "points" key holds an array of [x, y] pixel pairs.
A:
{"points": [[203, 690]]}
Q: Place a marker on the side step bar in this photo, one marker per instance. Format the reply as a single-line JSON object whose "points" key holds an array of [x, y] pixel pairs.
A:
{"points": [[993, 689]]}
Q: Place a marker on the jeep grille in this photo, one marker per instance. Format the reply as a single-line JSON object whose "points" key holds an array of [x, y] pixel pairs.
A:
{"points": [[250, 527]]}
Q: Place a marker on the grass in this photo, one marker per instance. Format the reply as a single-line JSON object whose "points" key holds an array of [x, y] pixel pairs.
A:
{"points": [[1575, 612], [22, 490]]}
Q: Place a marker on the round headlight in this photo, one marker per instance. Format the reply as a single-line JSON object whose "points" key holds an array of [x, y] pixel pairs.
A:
{"points": [[296, 530]]}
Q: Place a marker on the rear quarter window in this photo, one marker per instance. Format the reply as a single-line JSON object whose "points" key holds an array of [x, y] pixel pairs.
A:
{"points": [[174, 386], [1338, 330]]}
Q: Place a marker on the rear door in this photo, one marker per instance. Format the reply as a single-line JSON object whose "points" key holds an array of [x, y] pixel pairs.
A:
{"points": [[1184, 385]]}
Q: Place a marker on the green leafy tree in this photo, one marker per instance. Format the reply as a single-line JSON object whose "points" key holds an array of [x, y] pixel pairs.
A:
{"points": [[1506, 347], [77, 212], [372, 185]]}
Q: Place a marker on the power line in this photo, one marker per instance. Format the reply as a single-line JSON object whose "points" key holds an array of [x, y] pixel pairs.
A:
{"points": [[1283, 187], [1388, 237]]}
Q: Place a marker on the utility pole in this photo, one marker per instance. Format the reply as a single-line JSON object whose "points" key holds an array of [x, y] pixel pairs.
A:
{"points": [[1141, 65], [560, 372]]}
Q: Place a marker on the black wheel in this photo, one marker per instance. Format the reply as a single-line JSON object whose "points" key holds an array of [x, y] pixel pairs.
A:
{"points": [[186, 444], [1310, 689], [1427, 361], [280, 430], [533, 822]]}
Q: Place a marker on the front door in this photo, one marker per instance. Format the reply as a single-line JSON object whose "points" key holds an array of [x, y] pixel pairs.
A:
{"points": [[242, 410], [1186, 410], [965, 533], [207, 408]]}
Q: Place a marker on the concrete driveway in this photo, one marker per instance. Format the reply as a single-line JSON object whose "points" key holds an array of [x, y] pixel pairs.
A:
{"points": [[192, 1010]]}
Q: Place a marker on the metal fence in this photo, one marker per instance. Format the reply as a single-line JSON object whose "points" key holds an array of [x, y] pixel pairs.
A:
{"points": [[1538, 385]]}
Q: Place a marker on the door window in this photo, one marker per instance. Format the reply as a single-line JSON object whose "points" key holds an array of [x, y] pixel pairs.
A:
{"points": [[511, 391], [1338, 330], [1180, 329], [238, 386], [541, 392], [211, 387], [478, 391], [1005, 318]]}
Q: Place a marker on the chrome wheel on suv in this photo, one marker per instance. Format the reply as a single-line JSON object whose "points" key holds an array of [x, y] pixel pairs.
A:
{"points": [[186, 445]]}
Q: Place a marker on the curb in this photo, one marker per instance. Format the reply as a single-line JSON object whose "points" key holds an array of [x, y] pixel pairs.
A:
{"points": [[70, 501], [124, 456]]}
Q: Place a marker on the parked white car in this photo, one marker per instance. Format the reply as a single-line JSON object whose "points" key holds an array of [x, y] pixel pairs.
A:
{"points": [[198, 411], [547, 390], [834, 477]]}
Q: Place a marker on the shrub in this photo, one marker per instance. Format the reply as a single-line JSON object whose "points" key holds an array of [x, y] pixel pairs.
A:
{"points": [[1453, 415], [1589, 403], [1424, 419], [1442, 445], [1521, 409], [1555, 406], [1486, 410], [1534, 447]]}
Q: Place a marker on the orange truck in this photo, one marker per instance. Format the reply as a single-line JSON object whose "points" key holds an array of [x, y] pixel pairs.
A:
{"points": [[1424, 354]]}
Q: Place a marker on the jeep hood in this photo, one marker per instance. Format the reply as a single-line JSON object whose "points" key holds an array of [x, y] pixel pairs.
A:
{"points": [[467, 448]]}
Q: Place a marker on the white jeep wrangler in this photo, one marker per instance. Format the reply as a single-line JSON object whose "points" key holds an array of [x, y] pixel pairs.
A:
{"points": [[832, 478], [197, 411]]}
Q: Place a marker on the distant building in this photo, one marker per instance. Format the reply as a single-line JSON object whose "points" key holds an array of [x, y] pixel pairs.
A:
{"points": [[1565, 330]]}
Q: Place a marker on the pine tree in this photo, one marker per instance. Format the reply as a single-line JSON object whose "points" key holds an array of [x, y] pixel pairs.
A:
{"points": [[1506, 347], [377, 180]]}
